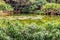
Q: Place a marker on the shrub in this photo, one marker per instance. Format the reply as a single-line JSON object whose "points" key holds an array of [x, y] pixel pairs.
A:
{"points": [[5, 9], [12, 30], [33, 6], [33, 32], [51, 8], [4, 6], [3, 35]]}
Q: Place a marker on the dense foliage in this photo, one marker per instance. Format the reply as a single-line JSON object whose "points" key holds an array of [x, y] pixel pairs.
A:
{"points": [[34, 6], [20, 30], [51, 7], [4, 6], [32, 27]]}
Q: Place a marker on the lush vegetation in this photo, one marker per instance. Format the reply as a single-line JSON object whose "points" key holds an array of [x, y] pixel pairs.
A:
{"points": [[33, 6], [4, 6], [35, 27], [51, 7], [48, 29]]}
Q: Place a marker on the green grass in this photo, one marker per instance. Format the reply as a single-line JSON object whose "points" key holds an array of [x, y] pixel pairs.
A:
{"points": [[46, 28]]}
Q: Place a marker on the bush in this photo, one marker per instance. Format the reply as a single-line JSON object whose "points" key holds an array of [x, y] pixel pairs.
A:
{"points": [[33, 6], [5, 9], [14, 31], [51, 8], [3, 35], [4, 6]]}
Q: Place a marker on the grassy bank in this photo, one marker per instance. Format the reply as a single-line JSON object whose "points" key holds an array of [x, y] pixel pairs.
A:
{"points": [[46, 28]]}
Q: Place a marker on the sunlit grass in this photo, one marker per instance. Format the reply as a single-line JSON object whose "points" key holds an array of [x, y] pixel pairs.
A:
{"points": [[41, 20], [30, 29]]}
